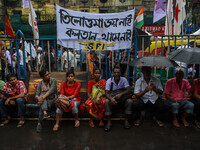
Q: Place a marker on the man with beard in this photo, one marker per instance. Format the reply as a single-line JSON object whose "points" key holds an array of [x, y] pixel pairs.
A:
{"points": [[147, 91], [113, 84]]}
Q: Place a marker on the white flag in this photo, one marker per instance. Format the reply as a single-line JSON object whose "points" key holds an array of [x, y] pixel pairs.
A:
{"points": [[25, 3], [32, 21], [169, 18], [179, 16]]}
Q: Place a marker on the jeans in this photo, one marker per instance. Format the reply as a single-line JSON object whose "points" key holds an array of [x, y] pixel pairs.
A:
{"points": [[22, 72], [45, 106], [185, 104], [20, 105]]}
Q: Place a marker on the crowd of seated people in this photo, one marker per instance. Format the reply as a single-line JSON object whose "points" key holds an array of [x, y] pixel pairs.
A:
{"points": [[103, 95]]}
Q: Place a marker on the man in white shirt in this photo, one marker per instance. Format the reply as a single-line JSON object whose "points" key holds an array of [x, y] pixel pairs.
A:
{"points": [[147, 91], [68, 58], [21, 60]]}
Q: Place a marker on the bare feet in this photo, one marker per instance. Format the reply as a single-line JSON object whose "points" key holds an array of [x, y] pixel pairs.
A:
{"points": [[185, 123], [176, 124], [56, 128]]}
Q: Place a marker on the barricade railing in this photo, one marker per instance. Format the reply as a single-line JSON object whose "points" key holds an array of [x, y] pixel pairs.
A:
{"points": [[52, 55]]}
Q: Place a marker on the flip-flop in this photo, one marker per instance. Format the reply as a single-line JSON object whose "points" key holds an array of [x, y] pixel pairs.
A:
{"points": [[137, 123], [91, 124], [20, 124], [159, 123], [101, 124], [7, 121], [77, 124]]}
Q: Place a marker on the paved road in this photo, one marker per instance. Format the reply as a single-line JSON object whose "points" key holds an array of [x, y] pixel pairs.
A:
{"points": [[146, 137]]}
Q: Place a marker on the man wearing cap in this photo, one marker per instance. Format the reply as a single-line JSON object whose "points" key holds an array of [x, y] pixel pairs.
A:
{"points": [[175, 89]]}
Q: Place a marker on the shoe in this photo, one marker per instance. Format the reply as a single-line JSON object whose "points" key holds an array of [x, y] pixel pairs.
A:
{"points": [[127, 125], [197, 124], [107, 127], [77, 124], [91, 124], [39, 128], [46, 116]]}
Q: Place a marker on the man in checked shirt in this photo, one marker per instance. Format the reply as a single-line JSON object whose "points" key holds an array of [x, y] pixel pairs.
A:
{"points": [[13, 93]]}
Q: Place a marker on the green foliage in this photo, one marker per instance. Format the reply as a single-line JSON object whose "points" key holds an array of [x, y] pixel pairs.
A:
{"points": [[24, 19]]}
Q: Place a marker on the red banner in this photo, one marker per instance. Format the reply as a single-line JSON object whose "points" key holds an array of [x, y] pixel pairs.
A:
{"points": [[155, 30]]}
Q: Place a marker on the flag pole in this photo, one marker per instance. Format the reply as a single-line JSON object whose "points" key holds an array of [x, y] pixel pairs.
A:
{"points": [[35, 41], [168, 48], [6, 69]]}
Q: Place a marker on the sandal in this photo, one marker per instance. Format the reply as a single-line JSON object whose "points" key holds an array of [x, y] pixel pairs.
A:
{"points": [[137, 123], [21, 123], [101, 124], [7, 121], [56, 128], [159, 123], [77, 124], [91, 124]]}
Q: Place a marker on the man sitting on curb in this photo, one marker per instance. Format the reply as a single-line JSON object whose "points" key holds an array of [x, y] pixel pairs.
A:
{"points": [[14, 92], [112, 84], [147, 91], [45, 94], [175, 93]]}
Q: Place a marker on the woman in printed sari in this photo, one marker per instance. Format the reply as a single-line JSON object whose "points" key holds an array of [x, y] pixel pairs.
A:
{"points": [[95, 103], [70, 97]]}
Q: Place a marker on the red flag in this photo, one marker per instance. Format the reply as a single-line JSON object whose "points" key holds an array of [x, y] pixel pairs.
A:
{"points": [[8, 27]]}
